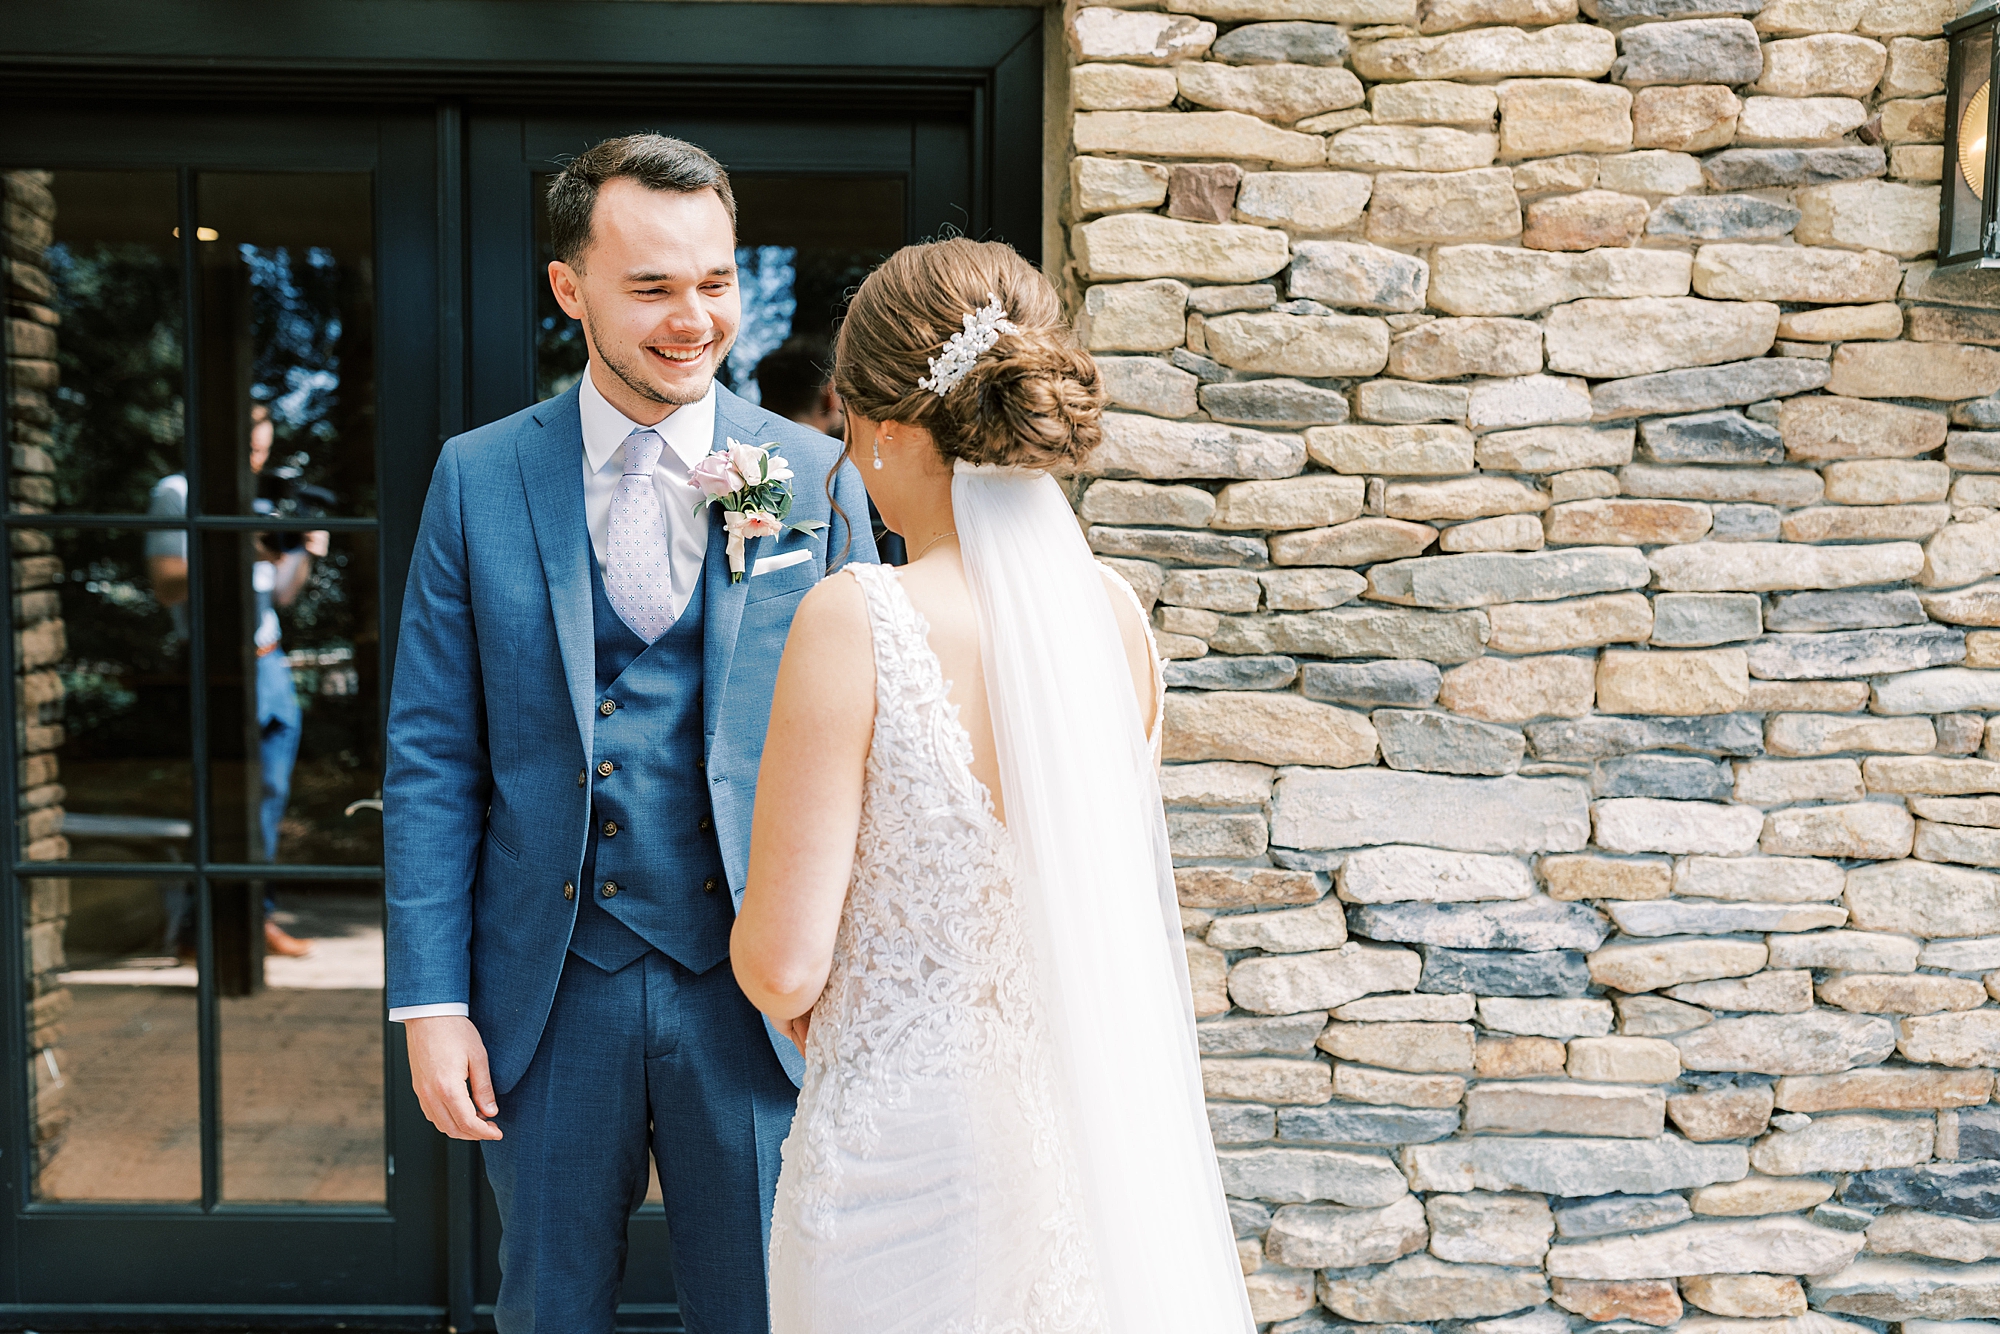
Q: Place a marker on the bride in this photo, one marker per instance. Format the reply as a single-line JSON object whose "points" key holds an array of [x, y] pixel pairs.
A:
{"points": [[960, 898]]}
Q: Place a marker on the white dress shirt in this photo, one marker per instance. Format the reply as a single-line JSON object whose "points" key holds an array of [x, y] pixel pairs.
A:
{"points": [[689, 433]]}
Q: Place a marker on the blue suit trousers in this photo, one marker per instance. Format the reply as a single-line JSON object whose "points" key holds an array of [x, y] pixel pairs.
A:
{"points": [[651, 1056]]}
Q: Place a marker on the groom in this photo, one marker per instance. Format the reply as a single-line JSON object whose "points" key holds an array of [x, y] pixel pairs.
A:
{"points": [[581, 695]]}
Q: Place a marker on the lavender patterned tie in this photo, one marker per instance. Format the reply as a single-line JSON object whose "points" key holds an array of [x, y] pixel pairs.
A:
{"points": [[637, 572]]}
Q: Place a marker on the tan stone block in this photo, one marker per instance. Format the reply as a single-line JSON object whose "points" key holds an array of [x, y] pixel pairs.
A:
{"points": [[1870, 215], [1817, 275], [1393, 451], [1147, 504], [1556, 448], [1544, 117], [1585, 221], [1734, 1113], [1916, 68], [1433, 102], [1135, 317], [1303, 345], [1945, 371], [1885, 1089], [1975, 493], [1448, 348], [1757, 1195], [1901, 993], [1576, 171], [1416, 208], [1282, 93], [1312, 501], [1769, 567], [1565, 1108], [1109, 33], [1551, 627], [1503, 280], [1229, 135], [1651, 172], [1656, 1016], [1265, 726], [1649, 1301], [1824, 64], [1279, 1294], [1445, 15], [1800, 16], [1561, 51], [1982, 648], [1624, 1060], [1514, 690], [1584, 484], [1146, 245], [1575, 876], [1690, 119], [1798, 120], [1411, 148], [1886, 481], [1866, 829], [1508, 532], [1390, 1088], [1518, 1058], [1962, 553], [1304, 203], [1888, 523], [1758, 486], [1122, 88], [1918, 120], [1678, 684], [1836, 324], [1917, 162], [1208, 976], [1970, 1038], [1244, 886], [1361, 542], [1417, 1048], [1809, 697], [1647, 965], [1628, 523], [1765, 1296], [1895, 18], [1267, 1079], [1461, 498], [1826, 426]]}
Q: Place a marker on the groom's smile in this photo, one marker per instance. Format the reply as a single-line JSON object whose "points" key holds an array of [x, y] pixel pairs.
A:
{"points": [[655, 289]]}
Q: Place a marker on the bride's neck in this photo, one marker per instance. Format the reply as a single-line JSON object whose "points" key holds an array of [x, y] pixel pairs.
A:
{"points": [[926, 515]]}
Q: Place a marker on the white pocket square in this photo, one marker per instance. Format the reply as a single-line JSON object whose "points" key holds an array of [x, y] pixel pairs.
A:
{"points": [[780, 562]]}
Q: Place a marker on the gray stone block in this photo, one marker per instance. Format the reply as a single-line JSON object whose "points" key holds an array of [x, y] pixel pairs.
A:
{"points": [[1202, 368], [1842, 1218], [1844, 610], [1585, 739], [1537, 924], [1757, 168], [1706, 387], [1283, 44], [1819, 657], [1347, 273], [1980, 413], [1610, 1214], [1675, 777], [1697, 620], [1505, 973], [1743, 523], [1223, 300], [1723, 218], [1963, 1189], [1240, 1122], [1348, 1124], [1979, 1133], [1176, 546], [1617, 12], [1710, 437], [1266, 672], [1709, 50], [1444, 743], [1319, 1320], [1366, 807], [1249, 1217], [1480, 579], [1274, 403], [1391, 681], [1147, 384]]}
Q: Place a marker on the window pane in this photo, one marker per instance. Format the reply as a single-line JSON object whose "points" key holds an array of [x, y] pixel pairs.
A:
{"points": [[302, 1083], [112, 1040], [287, 343], [104, 742], [95, 347], [1965, 178], [294, 721]]}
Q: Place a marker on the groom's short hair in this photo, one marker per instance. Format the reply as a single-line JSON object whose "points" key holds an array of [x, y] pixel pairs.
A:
{"points": [[654, 160]]}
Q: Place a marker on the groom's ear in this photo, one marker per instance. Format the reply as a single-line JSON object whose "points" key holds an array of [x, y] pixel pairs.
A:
{"points": [[565, 282]]}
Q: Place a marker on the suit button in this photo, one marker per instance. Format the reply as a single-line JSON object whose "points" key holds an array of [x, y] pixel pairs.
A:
{"points": [[610, 888], [608, 707], [604, 769], [701, 763], [705, 824], [709, 885], [611, 829], [569, 889]]}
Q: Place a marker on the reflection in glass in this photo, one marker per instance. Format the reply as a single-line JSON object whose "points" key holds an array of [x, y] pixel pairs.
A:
{"points": [[105, 737], [803, 244], [294, 697], [1975, 60], [117, 1083], [287, 347], [95, 350], [302, 1081]]}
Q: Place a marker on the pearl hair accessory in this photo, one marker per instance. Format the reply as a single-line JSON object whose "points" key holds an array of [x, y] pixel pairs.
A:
{"points": [[982, 330]]}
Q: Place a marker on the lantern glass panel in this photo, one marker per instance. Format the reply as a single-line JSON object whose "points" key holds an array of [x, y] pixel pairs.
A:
{"points": [[1965, 173]]}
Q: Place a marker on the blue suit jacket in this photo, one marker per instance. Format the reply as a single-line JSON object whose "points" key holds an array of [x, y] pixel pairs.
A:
{"points": [[494, 698]]}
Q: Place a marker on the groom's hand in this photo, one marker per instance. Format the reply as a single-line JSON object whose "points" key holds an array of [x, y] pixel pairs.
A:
{"points": [[447, 1058]]}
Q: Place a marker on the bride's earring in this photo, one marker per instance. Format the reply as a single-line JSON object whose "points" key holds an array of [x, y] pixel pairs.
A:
{"points": [[878, 451]]}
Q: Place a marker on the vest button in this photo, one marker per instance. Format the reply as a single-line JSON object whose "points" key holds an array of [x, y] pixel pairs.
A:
{"points": [[608, 707], [705, 824], [611, 829], [709, 885], [582, 776], [604, 769], [701, 763], [569, 889], [610, 888]]}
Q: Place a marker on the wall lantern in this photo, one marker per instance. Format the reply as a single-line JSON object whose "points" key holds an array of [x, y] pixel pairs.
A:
{"points": [[1968, 236]]}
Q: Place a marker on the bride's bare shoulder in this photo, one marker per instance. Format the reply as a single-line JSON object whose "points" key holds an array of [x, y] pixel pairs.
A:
{"points": [[832, 620]]}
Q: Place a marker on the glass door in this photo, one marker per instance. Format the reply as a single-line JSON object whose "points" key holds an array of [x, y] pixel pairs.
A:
{"points": [[210, 395]]}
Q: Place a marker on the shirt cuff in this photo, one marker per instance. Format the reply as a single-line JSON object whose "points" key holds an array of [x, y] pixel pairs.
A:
{"points": [[402, 1012]]}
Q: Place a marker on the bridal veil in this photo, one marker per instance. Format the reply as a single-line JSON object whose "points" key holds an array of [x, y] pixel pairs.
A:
{"points": [[1096, 884]]}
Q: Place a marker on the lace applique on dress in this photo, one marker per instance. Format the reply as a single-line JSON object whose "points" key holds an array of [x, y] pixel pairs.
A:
{"points": [[928, 1183]]}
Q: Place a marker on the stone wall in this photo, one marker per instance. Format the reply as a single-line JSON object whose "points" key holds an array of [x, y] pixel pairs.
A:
{"points": [[30, 348], [1573, 506]]}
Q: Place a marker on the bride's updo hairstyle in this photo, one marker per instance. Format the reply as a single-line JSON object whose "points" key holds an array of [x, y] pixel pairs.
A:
{"points": [[1032, 400]]}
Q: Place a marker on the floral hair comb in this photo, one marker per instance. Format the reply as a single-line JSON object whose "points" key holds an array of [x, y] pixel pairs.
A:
{"points": [[982, 330]]}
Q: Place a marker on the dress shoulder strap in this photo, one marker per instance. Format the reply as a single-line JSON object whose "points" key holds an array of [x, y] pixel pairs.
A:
{"points": [[900, 636]]}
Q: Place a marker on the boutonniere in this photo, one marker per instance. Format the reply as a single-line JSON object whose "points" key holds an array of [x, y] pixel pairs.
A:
{"points": [[753, 484]]}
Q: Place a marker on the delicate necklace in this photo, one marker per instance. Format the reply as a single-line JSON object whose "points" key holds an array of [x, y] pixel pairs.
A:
{"points": [[933, 542]]}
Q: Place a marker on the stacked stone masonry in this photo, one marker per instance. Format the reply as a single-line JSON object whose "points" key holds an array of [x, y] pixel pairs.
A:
{"points": [[1571, 501]]}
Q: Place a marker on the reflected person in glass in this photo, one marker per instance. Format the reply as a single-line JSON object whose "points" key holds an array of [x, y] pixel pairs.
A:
{"points": [[281, 570]]}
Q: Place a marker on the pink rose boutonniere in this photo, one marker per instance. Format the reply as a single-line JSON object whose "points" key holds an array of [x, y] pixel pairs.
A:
{"points": [[753, 486]]}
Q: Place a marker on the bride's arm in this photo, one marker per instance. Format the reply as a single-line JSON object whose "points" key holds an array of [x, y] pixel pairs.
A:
{"points": [[808, 804]]}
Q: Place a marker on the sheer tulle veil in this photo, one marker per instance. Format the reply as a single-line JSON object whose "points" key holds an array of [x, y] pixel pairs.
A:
{"points": [[1096, 882]]}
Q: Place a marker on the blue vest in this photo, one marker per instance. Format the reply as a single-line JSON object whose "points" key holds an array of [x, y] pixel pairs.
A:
{"points": [[652, 831]]}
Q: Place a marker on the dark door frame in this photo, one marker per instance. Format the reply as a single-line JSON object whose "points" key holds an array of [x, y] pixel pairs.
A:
{"points": [[449, 59]]}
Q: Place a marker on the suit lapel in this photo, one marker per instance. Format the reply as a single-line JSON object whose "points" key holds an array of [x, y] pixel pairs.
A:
{"points": [[552, 471], [723, 606]]}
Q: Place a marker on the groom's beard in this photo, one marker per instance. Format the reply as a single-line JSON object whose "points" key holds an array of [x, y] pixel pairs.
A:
{"points": [[646, 389]]}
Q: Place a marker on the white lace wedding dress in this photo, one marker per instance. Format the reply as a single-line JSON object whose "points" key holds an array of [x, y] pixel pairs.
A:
{"points": [[928, 1186]]}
